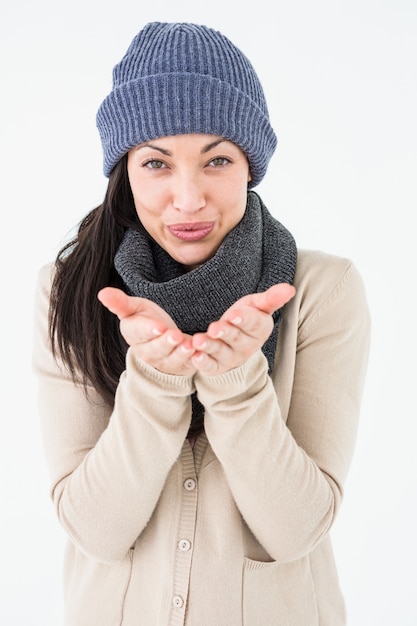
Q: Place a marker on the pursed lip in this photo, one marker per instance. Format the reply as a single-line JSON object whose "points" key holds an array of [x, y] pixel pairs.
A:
{"points": [[191, 231]]}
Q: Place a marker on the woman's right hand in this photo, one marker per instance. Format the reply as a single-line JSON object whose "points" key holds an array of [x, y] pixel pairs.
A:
{"points": [[151, 332]]}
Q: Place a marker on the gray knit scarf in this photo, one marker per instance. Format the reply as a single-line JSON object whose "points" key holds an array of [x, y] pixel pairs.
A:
{"points": [[258, 253]]}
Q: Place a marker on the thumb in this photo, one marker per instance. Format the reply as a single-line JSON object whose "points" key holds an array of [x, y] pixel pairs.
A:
{"points": [[117, 302], [266, 301], [274, 298]]}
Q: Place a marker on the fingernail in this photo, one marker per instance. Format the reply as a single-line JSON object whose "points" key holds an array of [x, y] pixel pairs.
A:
{"points": [[156, 332], [172, 341], [186, 350], [237, 320], [199, 358]]}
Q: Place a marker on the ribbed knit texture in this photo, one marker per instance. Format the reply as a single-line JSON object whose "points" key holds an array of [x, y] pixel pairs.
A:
{"points": [[179, 78]]}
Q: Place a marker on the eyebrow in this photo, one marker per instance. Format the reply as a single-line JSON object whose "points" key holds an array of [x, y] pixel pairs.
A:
{"points": [[212, 145], [205, 149]]}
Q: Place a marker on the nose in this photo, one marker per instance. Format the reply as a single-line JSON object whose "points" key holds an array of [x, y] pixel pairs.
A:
{"points": [[188, 194]]}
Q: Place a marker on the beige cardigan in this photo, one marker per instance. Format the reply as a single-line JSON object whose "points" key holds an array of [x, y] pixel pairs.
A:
{"points": [[236, 531]]}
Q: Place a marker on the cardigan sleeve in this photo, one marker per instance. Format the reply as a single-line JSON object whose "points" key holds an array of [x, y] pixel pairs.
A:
{"points": [[108, 465], [286, 467]]}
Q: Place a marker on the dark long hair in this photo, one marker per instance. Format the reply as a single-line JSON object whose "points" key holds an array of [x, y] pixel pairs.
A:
{"points": [[83, 332]]}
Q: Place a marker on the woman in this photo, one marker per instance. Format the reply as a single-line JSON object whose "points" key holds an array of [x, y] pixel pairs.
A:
{"points": [[200, 378]]}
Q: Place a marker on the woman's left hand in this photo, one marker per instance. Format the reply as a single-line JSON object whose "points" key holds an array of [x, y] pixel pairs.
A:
{"points": [[240, 332]]}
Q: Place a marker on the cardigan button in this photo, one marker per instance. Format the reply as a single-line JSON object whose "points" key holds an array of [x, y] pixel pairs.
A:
{"points": [[189, 484], [177, 601], [184, 545]]}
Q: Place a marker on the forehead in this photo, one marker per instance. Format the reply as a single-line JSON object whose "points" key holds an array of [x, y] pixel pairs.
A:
{"points": [[201, 143]]}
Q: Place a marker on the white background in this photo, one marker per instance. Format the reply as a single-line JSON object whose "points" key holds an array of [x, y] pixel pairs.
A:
{"points": [[340, 79]]}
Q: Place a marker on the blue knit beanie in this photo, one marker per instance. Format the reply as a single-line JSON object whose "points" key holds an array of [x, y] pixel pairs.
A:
{"points": [[179, 78]]}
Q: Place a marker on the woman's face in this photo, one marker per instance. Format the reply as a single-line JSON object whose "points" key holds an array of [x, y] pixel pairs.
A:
{"points": [[189, 192]]}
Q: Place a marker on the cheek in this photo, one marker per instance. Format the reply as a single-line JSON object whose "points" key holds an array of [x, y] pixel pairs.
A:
{"points": [[147, 218], [144, 203], [150, 219], [240, 207]]}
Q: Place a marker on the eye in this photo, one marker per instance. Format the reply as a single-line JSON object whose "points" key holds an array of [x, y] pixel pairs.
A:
{"points": [[219, 162], [154, 164]]}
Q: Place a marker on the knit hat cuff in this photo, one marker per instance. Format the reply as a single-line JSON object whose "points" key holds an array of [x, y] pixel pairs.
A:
{"points": [[180, 103]]}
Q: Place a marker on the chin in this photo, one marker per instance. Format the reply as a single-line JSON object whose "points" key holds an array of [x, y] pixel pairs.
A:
{"points": [[191, 262]]}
